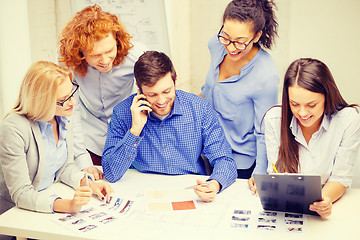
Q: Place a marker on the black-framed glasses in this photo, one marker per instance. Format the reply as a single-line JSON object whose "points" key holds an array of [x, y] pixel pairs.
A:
{"points": [[75, 88], [238, 45]]}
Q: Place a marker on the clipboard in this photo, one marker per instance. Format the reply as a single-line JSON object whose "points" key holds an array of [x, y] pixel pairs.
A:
{"points": [[287, 192]]}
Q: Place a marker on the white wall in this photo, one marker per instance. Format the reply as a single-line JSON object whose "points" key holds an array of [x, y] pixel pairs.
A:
{"points": [[14, 50]]}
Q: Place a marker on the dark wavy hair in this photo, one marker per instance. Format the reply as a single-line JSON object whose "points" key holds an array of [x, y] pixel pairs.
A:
{"points": [[315, 76], [260, 13]]}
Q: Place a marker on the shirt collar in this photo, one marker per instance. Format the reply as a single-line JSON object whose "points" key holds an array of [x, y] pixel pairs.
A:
{"points": [[176, 110], [63, 121], [294, 126]]}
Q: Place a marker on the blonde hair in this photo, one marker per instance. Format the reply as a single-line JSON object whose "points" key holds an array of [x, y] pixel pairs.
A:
{"points": [[37, 98]]}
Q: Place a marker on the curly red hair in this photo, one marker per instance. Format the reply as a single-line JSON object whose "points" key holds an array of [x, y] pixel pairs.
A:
{"points": [[89, 25]]}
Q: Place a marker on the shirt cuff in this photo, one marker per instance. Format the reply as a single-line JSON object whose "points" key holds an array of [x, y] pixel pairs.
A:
{"points": [[52, 200], [132, 140]]}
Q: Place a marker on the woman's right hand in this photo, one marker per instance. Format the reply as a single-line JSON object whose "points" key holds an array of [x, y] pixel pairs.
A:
{"points": [[252, 186], [81, 197]]}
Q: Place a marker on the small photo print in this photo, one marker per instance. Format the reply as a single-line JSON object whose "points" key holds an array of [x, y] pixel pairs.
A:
{"points": [[87, 228], [67, 218], [269, 214], [240, 219], [298, 222], [239, 225], [87, 210], [247, 212], [265, 220], [293, 215], [107, 220], [266, 227], [294, 229], [78, 222], [127, 206], [97, 215]]}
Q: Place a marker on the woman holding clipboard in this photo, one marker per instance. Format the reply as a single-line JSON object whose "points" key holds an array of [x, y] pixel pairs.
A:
{"points": [[314, 132]]}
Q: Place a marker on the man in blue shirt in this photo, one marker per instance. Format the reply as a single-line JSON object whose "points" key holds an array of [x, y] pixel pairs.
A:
{"points": [[163, 130]]}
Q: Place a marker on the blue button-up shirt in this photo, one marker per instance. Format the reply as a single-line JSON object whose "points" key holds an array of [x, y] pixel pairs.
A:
{"points": [[241, 102], [172, 145]]}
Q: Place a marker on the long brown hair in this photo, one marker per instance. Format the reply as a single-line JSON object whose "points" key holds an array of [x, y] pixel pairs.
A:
{"points": [[315, 76]]}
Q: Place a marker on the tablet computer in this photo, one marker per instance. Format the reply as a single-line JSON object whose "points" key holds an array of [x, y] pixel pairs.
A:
{"points": [[288, 192]]}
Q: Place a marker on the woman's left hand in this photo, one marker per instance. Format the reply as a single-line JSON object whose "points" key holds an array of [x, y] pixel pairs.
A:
{"points": [[323, 208], [95, 172], [101, 189]]}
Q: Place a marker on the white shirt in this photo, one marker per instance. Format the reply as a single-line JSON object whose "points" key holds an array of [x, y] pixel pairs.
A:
{"points": [[332, 150]]}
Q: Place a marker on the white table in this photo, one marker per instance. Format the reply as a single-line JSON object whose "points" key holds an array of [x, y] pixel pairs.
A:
{"points": [[342, 224]]}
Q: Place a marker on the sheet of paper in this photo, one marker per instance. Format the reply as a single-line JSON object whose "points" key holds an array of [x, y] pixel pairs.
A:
{"points": [[96, 214], [170, 200], [255, 220]]}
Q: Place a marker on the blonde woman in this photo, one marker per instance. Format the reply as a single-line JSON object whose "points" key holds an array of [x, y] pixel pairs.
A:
{"points": [[37, 148]]}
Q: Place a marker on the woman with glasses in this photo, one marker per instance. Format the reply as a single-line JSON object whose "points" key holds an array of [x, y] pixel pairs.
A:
{"points": [[315, 131], [37, 147], [242, 81]]}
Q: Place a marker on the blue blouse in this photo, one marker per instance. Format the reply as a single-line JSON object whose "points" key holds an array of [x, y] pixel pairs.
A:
{"points": [[241, 102], [55, 155]]}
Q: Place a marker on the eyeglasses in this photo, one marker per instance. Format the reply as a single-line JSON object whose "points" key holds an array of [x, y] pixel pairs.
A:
{"points": [[238, 45], [75, 88]]}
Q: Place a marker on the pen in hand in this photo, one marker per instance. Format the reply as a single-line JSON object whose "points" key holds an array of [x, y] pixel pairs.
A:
{"points": [[191, 187], [86, 176]]}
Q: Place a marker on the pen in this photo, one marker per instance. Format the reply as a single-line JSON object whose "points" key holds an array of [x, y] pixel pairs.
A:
{"points": [[191, 187], [86, 179], [276, 171]]}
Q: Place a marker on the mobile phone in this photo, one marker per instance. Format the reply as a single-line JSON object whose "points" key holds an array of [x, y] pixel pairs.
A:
{"points": [[143, 99]]}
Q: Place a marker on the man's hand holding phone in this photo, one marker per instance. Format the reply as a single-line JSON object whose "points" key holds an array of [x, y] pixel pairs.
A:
{"points": [[139, 111]]}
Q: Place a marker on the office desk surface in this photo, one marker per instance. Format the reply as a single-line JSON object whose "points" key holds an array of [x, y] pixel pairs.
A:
{"points": [[342, 224]]}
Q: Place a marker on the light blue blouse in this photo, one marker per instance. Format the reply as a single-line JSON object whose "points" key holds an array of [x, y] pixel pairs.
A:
{"points": [[55, 155], [241, 102]]}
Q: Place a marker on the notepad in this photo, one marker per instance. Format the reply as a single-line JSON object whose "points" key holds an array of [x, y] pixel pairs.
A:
{"points": [[288, 192]]}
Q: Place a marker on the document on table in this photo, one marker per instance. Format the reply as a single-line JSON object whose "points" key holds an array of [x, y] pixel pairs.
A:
{"points": [[245, 219], [179, 208], [169, 200], [96, 214]]}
